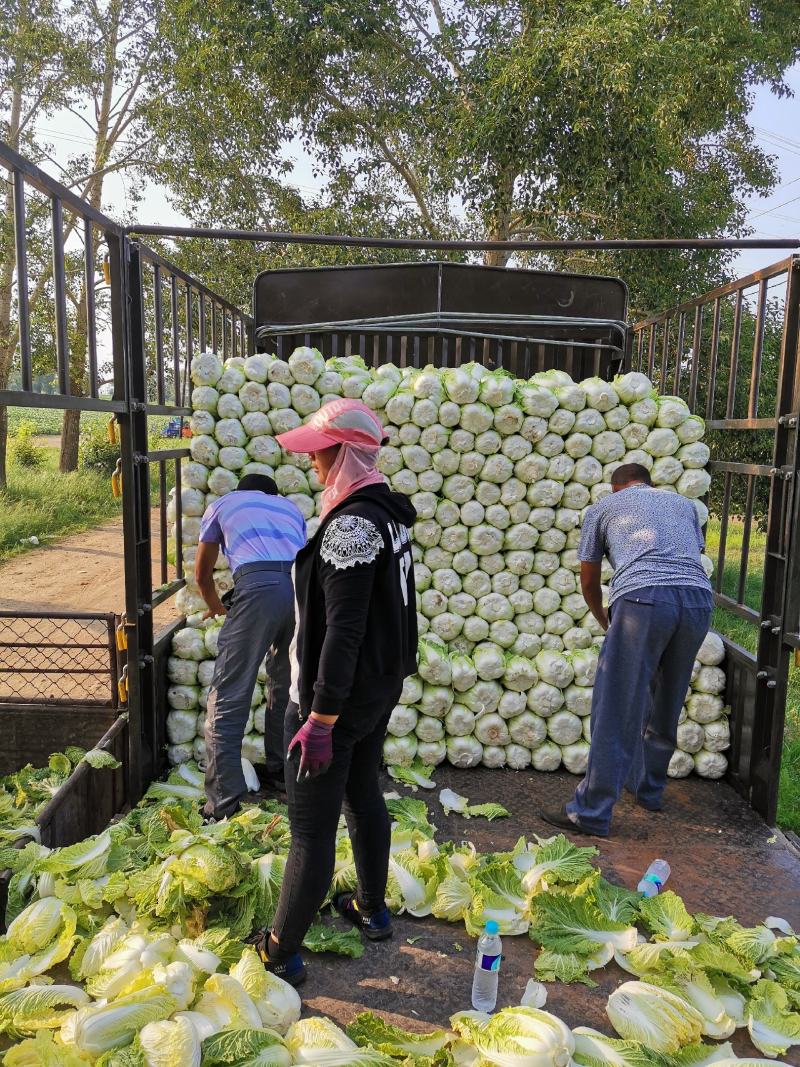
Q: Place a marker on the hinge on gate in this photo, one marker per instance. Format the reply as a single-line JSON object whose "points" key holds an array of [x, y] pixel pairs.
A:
{"points": [[788, 420], [122, 685], [768, 677], [785, 473]]}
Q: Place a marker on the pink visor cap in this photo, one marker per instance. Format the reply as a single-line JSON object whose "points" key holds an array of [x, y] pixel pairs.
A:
{"points": [[339, 422]]}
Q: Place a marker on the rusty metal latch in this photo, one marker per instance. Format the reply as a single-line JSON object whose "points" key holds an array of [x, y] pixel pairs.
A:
{"points": [[116, 480], [122, 685]]}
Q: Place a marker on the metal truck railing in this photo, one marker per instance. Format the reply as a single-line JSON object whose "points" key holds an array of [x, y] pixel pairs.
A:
{"points": [[158, 316], [733, 354]]}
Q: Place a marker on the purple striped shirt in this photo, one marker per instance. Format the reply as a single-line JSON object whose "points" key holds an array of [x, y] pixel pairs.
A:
{"points": [[252, 527]]}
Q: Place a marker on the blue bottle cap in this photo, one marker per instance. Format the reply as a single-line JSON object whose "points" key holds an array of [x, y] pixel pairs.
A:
{"points": [[492, 927]]}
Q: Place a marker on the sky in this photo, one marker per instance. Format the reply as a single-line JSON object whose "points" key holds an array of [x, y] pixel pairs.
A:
{"points": [[777, 129]]}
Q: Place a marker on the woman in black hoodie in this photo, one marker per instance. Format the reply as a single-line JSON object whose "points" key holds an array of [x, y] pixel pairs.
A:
{"points": [[356, 641]]}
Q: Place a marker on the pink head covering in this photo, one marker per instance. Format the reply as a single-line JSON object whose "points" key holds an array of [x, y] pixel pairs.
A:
{"points": [[351, 424]]}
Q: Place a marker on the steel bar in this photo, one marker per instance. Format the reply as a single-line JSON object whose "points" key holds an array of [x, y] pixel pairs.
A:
{"points": [[160, 454], [15, 398], [60, 297], [722, 465], [159, 332], [162, 519], [651, 351], [423, 320], [713, 358], [264, 334], [727, 602], [639, 350], [697, 340], [740, 424], [772, 271], [733, 366], [202, 338], [187, 362], [7, 613], [91, 315], [160, 596], [178, 522], [23, 306], [152, 257], [665, 355], [779, 597], [758, 351], [679, 353], [344, 240], [42, 181], [176, 339]]}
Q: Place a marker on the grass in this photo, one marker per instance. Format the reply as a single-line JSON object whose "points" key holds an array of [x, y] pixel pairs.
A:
{"points": [[43, 503], [745, 633], [48, 420]]}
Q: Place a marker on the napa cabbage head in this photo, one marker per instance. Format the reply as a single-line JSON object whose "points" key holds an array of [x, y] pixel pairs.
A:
{"points": [[278, 1003], [656, 1018], [517, 1037], [321, 1041], [170, 1044]]}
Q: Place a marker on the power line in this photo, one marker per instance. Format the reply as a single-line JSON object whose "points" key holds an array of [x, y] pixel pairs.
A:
{"points": [[772, 210]]}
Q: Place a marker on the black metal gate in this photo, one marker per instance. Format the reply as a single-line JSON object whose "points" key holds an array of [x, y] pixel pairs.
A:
{"points": [[734, 355], [154, 317]]}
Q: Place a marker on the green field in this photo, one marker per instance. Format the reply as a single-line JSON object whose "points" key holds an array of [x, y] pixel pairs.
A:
{"points": [[746, 634], [40, 502], [48, 420]]}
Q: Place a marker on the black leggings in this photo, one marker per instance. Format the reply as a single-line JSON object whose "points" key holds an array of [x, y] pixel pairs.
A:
{"points": [[315, 805]]}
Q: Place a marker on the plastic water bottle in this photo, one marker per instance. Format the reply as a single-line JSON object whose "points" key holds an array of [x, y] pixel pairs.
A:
{"points": [[487, 968], [654, 878]]}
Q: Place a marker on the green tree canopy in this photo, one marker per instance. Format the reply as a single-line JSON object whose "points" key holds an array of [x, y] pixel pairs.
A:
{"points": [[540, 118]]}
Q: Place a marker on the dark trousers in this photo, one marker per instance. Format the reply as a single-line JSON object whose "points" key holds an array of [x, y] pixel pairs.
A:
{"points": [[643, 675], [315, 805], [260, 621]]}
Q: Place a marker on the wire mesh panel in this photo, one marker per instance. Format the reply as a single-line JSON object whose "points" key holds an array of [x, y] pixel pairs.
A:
{"points": [[65, 658]]}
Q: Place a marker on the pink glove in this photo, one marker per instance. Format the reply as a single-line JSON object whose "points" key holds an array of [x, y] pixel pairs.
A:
{"points": [[315, 739]]}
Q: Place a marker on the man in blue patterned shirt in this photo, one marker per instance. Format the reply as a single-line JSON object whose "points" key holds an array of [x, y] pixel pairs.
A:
{"points": [[260, 534], [659, 610]]}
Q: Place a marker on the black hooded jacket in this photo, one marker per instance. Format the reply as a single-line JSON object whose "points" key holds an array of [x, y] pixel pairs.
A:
{"points": [[357, 624]]}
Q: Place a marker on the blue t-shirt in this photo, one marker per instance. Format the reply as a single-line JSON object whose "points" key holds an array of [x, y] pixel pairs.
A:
{"points": [[650, 537], [252, 527]]}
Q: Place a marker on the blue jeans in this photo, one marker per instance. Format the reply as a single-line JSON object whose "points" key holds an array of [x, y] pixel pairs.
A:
{"points": [[643, 674], [259, 623]]}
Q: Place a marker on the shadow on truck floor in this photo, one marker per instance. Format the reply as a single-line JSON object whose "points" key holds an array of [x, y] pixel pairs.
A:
{"points": [[724, 860]]}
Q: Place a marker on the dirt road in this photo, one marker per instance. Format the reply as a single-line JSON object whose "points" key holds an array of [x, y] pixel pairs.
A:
{"points": [[84, 572]]}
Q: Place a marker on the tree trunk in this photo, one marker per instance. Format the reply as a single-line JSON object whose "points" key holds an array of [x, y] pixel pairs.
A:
{"points": [[8, 330], [70, 436], [71, 426], [499, 228]]}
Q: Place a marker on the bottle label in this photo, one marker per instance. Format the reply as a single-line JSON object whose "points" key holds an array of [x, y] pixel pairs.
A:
{"points": [[490, 963], [652, 878]]}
